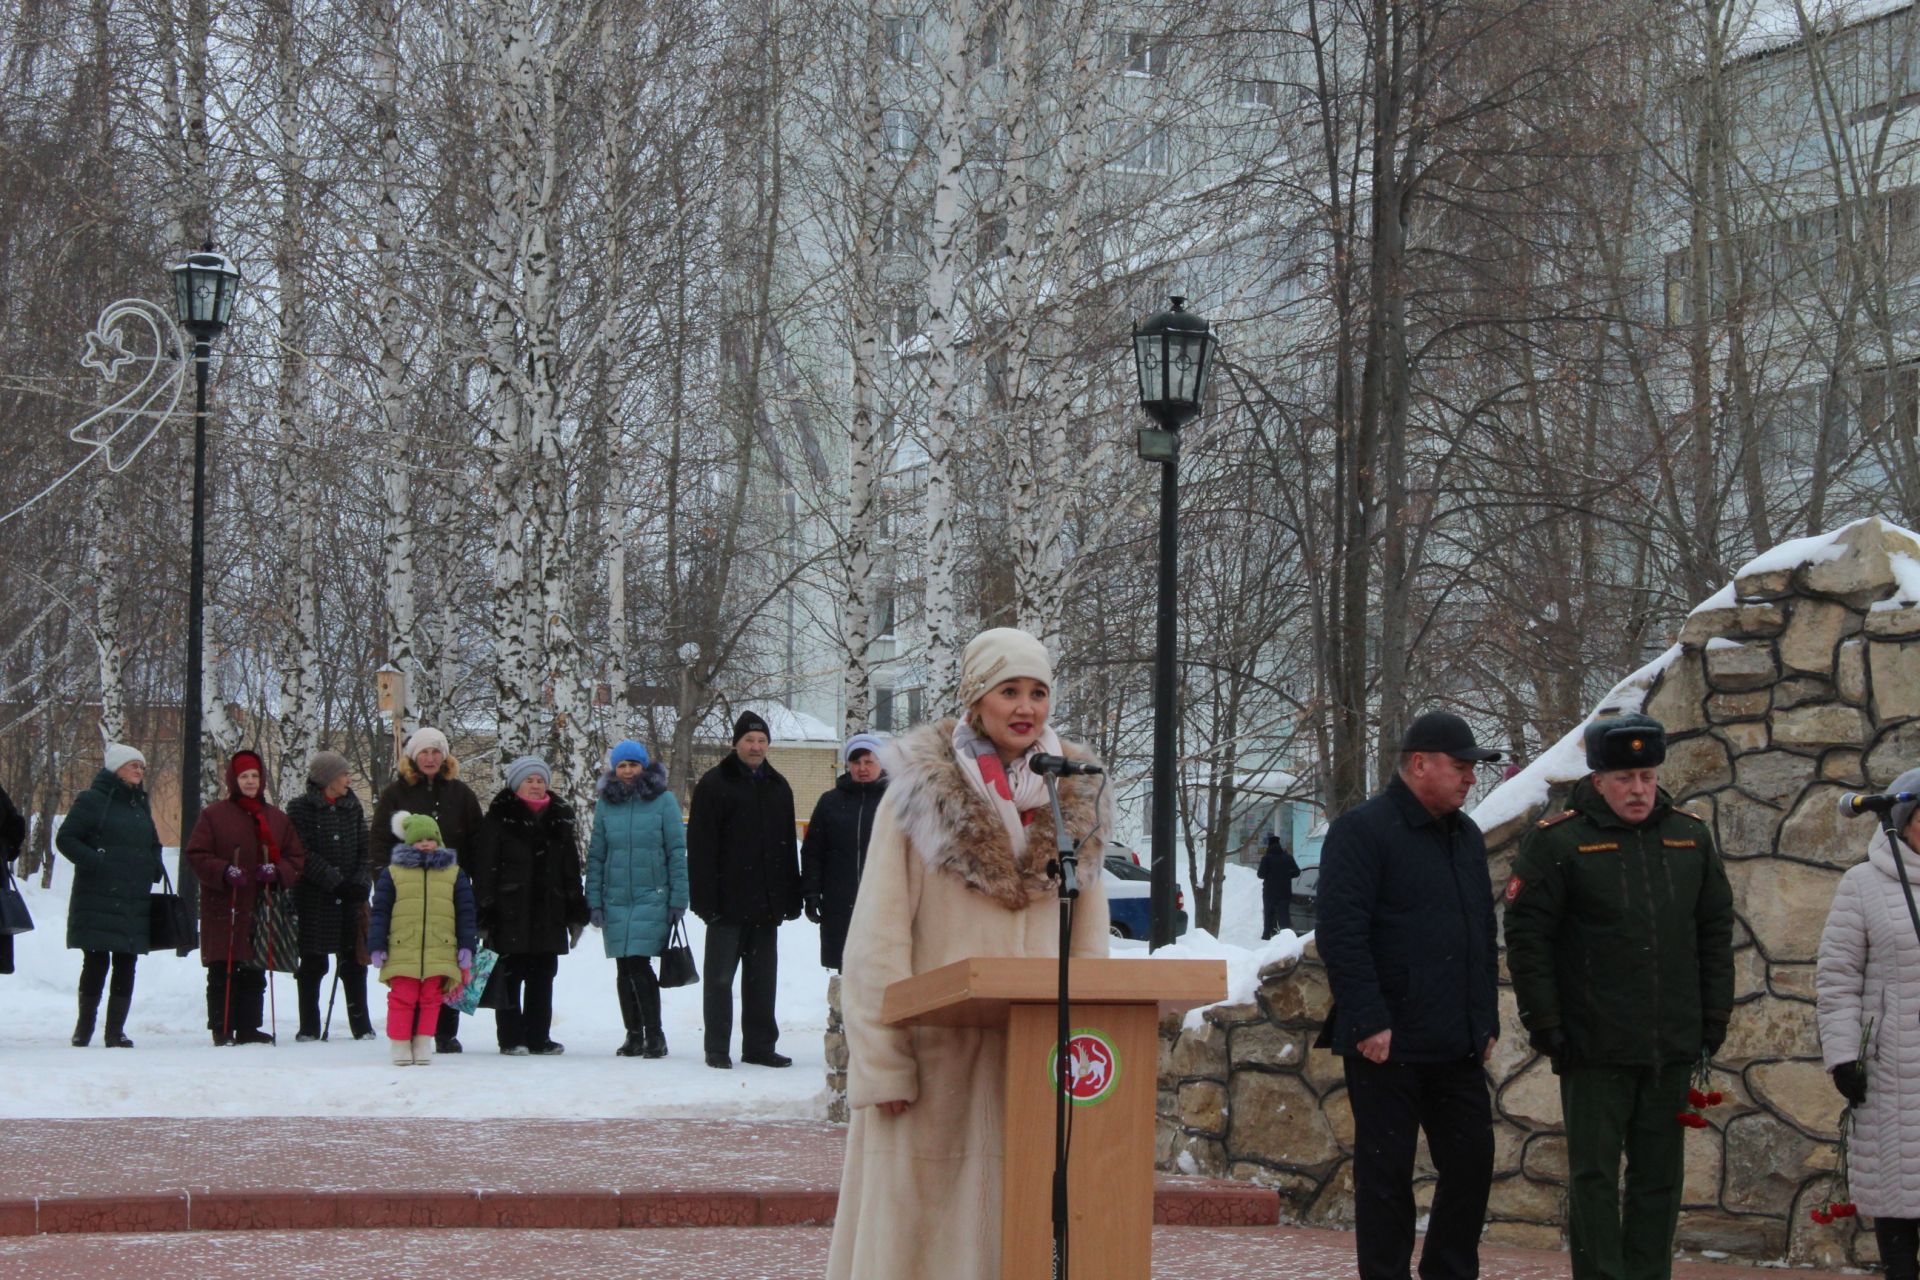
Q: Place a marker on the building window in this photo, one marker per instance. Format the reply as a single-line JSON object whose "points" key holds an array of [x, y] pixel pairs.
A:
{"points": [[903, 323], [883, 615], [1136, 53], [903, 39], [899, 233], [990, 46], [1263, 94], [883, 709], [902, 131], [1142, 150], [916, 707]]}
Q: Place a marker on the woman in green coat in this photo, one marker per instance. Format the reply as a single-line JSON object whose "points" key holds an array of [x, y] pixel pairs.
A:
{"points": [[109, 837], [637, 885]]}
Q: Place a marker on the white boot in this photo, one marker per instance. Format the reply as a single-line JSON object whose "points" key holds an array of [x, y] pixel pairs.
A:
{"points": [[423, 1051], [402, 1051]]}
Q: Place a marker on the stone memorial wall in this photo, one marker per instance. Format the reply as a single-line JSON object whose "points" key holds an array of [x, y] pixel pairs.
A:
{"points": [[1798, 683]]}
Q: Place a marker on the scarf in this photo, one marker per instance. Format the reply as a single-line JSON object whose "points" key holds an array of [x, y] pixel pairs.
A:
{"points": [[256, 808], [1014, 791], [538, 806]]}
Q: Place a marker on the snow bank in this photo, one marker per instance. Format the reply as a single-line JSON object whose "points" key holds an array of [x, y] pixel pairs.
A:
{"points": [[1243, 963], [1566, 760]]}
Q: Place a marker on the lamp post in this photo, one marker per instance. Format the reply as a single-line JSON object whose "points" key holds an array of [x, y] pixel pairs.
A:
{"points": [[1173, 353], [203, 291]]}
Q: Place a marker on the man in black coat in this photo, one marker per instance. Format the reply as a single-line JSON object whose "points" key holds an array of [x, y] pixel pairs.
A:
{"points": [[744, 879], [1277, 870], [835, 851], [1406, 927]]}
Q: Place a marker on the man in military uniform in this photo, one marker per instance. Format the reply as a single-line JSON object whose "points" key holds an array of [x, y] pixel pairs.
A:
{"points": [[1619, 926]]}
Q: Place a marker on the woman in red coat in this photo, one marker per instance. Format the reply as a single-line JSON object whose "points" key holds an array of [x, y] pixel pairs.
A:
{"points": [[244, 851]]}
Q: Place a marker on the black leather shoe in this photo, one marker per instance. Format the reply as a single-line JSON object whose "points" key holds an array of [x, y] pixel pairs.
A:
{"points": [[252, 1037], [656, 1044], [631, 1047], [306, 1037], [768, 1059], [447, 1046], [720, 1061], [117, 1040], [551, 1049]]}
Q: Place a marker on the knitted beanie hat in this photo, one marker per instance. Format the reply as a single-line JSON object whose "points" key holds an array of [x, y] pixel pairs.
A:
{"points": [[325, 766], [859, 742], [629, 750], [119, 754], [525, 767], [412, 828], [425, 737], [749, 723]]}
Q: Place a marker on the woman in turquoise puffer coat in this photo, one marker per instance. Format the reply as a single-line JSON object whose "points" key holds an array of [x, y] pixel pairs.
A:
{"points": [[637, 885]]}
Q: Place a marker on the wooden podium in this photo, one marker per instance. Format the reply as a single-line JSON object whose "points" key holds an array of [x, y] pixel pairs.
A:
{"points": [[1114, 1057]]}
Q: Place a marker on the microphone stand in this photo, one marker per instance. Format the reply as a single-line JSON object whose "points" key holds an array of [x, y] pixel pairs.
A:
{"points": [[1066, 865], [1894, 845]]}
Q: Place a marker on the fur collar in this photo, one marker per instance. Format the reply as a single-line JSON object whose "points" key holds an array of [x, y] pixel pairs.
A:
{"points": [[449, 771], [405, 855], [652, 781], [954, 829]]}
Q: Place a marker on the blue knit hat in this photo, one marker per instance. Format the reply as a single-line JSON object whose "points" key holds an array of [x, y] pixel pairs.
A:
{"points": [[627, 749]]}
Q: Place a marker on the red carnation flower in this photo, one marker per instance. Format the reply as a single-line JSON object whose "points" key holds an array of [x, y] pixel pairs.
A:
{"points": [[1715, 1098], [1822, 1217], [1697, 1099], [1846, 1209]]}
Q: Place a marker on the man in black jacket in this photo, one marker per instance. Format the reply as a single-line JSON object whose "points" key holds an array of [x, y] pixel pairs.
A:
{"points": [[1277, 870], [1406, 927], [835, 851], [743, 879]]}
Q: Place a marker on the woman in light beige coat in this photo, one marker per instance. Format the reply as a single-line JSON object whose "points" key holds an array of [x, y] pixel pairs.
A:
{"points": [[956, 867]]}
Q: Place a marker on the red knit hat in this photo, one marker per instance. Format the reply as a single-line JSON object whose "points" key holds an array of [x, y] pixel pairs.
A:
{"points": [[241, 762]]}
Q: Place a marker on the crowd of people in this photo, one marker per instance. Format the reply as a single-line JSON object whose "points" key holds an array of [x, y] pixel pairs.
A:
{"points": [[437, 895]]}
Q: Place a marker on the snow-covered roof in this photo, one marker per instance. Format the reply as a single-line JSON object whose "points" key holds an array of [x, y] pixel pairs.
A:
{"points": [[1771, 25]]}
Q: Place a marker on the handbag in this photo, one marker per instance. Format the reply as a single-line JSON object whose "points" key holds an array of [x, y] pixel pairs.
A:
{"points": [[275, 936], [14, 916], [169, 923], [483, 963], [676, 962]]}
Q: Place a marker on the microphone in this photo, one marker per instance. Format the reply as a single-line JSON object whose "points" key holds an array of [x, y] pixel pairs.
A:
{"points": [[1059, 766], [1852, 805]]}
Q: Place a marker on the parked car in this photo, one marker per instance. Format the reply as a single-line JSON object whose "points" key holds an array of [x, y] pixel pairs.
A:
{"points": [[1129, 899], [1302, 907]]}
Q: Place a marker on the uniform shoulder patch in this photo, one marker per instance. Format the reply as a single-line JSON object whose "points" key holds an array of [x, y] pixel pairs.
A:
{"points": [[1604, 846], [1557, 818], [1670, 843], [1514, 885]]}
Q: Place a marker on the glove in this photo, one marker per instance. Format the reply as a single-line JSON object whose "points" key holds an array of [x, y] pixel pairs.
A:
{"points": [[235, 875], [675, 915], [1851, 1082], [268, 873], [811, 905], [1552, 1042], [377, 959], [464, 959], [1713, 1035], [573, 934], [597, 918]]}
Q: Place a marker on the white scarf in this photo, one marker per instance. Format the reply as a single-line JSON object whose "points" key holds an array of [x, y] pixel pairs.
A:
{"points": [[1029, 788]]}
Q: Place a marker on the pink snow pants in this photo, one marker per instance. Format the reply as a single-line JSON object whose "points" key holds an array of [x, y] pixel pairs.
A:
{"points": [[413, 1007]]}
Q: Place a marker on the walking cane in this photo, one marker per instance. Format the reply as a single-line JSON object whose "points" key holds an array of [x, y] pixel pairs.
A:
{"points": [[273, 1010], [327, 1026], [226, 995]]}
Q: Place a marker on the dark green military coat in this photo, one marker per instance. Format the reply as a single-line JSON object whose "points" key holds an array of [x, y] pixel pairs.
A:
{"points": [[1621, 936], [108, 835]]}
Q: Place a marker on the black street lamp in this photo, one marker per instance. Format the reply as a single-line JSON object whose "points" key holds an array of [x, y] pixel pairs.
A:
{"points": [[203, 290], [1173, 352]]}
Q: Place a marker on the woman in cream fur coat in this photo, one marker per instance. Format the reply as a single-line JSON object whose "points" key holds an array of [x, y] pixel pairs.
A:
{"points": [[956, 867]]}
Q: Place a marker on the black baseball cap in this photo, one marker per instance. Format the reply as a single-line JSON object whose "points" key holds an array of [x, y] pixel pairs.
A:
{"points": [[1444, 732]]}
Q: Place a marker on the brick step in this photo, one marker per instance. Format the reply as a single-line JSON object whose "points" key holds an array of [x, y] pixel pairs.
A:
{"points": [[1177, 1202]]}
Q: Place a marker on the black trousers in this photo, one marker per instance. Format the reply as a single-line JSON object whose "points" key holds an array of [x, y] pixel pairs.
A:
{"points": [[1392, 1104], [753, 949], [242, 1009], [1276, 914], [639, 993], [1899, 1241], [524, 1014], [93, 980], [312, 976]]}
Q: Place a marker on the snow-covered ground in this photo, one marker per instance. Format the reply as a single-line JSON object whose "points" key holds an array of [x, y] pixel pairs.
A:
{"points": [[176, 1071]]}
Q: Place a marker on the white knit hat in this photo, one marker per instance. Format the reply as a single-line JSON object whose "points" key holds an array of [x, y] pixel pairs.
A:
{"points": [[425, 737], [119, 753], [1003, 653]]}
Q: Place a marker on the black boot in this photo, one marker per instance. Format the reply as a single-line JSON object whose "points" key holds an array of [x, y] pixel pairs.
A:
{"points": [[308, 979], [119, 1000], [93, 980], [353, 990], [656, 1039], [629, 1010], [1899, 1241]]}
